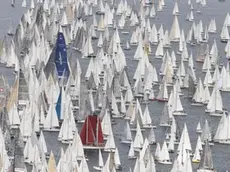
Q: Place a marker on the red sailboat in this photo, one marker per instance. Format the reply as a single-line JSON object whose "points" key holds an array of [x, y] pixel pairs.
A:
{"points": [[91, 133]]}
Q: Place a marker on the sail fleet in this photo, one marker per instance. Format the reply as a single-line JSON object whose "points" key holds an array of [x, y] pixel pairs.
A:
{"points": [[77, 80]]}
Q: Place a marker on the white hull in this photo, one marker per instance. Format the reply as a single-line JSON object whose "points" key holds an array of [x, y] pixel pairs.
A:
{"points": [[198, 131], [117, 116], [197, 104], [133, 44], [20, 170], [93, 147], [81, 121], [158, 57], [125, 32], [97, 168], [14, 126], [179, 113], [66, 141], [149, 126], [164, 125], [125, 141], [225, 90], [100, 30], [210, 143], [109, 150], [223, 141], [165, 162], [206, 170], [216, 114], [154, 43], [51, 129], [132, 157]]}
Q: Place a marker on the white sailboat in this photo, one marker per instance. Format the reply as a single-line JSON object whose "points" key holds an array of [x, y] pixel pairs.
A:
{"points": [[151, 137], [127, 136], [164, 155], [51, 122], [131, 154], [100, 162], [14, 117], [215, 105], [198, 128], [175, 31], [222, 133]]}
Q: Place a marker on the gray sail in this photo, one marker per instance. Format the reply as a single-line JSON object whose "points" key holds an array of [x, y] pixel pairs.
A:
{"points": [[191, 81], [206, 133], [116, 85], [80, 39], [206, 159], [165, 120]]}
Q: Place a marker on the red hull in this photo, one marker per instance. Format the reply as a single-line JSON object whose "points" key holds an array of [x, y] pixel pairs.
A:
{"points": [[162, 100]]}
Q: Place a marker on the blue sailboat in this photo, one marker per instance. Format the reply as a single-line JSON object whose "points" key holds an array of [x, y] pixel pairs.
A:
{"points": [[61, 57]]}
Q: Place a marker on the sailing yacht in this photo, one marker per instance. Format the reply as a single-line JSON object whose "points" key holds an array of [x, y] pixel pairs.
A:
{"points": [[164, 155], [91, 133], [206, 163], [222, 133], [127, 136], [100, 162], [12, 3], [10, 30], [215, 104]]}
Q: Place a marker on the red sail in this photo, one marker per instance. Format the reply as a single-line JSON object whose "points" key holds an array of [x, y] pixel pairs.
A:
{"points": [[91, 132], [87, 134]]}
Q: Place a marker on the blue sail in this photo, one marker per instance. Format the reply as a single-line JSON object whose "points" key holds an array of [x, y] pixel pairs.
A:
{"points": [[61, 56], [58, 105]]}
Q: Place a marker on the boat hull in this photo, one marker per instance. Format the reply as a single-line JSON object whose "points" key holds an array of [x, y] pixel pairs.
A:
{"points": [[196, 161], [132, 157], [149, 126], [161, 100], [97, 168], [165, 162], [222, 141], [197, 104], [51, 129], [179, 113], [206, 170], [126, 141], [164, 125]]}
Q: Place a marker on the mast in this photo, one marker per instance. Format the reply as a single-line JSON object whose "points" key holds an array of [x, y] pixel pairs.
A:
{"points": [[97, 131], [87, 128]]}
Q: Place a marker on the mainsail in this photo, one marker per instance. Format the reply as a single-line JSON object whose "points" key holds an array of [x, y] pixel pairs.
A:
{"points": [[91, 133], [206, 160], [61, 57]]}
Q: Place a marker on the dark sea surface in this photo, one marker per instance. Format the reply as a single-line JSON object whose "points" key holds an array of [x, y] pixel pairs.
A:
{"points": [[214, 9]]}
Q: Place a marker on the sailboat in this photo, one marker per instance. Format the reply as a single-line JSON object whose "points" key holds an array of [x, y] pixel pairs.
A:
{"points": [[10, 30], [164, 155], [91, 133], [206, 163], [12, 3], [51, 122], [222, 133], [61, 57], [215, 104], [131, 154], [127, 136], [100, 162], [198, 128]]}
